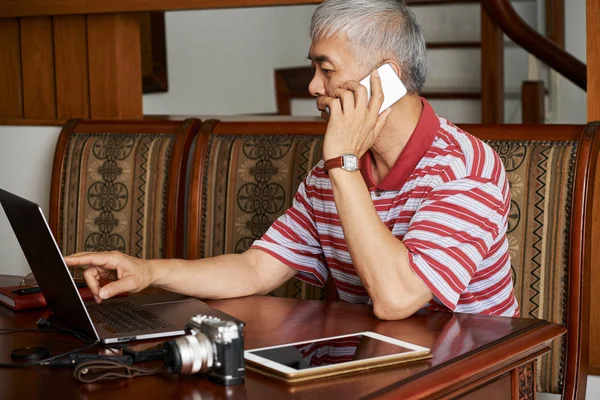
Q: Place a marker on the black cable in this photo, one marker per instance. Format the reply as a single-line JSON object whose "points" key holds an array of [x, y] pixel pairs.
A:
{"points": [[7, 331], [55, 329], [52, 328], [43, 322], [38, 362]]}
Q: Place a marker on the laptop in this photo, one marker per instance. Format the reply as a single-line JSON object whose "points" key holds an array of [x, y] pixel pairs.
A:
{"points": [[112, 321]]}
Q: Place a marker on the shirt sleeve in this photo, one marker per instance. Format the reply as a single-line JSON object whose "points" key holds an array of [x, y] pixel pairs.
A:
{"points": [[293, 239], [452, 231]]}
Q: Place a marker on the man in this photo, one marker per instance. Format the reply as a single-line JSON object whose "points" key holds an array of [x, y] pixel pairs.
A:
{"points": [[421, 224]]}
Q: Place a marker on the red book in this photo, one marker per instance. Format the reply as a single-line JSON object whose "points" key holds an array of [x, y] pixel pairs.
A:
{"points": [[34, 300]]}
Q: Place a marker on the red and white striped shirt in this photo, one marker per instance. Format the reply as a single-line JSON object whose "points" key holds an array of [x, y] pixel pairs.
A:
{"points": [[446, 198]]}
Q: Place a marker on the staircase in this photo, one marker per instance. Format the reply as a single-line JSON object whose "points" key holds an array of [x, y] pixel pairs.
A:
{"points": [[452, 30]]}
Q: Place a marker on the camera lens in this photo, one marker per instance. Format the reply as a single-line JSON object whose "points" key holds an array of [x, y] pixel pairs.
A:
{"points": [[190, 354]]}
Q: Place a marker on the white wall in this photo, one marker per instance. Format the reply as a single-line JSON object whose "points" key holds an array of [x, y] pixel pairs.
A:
{"points": [[222, 61], [26, 155]]}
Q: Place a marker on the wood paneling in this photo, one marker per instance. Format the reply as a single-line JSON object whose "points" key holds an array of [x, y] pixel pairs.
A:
{"points": [[70, 54], [37, 56], [11, 8], [492, 71], [114, 66], [11, 99]]}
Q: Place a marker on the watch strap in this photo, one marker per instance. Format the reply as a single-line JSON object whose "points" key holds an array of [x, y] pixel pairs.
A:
{"points": [[336, 162]]}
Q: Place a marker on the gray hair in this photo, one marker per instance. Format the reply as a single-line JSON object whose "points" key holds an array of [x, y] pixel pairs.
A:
{"points": [[376, 29]]}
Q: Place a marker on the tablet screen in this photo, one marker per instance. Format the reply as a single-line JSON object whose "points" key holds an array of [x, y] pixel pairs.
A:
{"points": [[330, 351]]}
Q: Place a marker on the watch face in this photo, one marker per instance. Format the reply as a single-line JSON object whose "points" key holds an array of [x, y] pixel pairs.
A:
{"points": [[350, 162]]}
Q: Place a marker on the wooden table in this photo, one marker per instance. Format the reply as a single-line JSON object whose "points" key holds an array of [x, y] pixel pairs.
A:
{"points": [[473, 356]]}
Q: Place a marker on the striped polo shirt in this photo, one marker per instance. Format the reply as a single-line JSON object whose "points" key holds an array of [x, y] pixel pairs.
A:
{"points": [[446, 198]]}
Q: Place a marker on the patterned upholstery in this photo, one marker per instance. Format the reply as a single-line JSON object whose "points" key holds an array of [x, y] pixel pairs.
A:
{"points": [[249, 180], [540, 176], [115, 189]]}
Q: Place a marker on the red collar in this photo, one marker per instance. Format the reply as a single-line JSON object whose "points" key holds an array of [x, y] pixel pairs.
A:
{"points": [[417, 146]]}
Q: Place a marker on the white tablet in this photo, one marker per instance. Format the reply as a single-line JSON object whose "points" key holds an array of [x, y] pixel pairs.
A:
{"points": [[301, 361]]}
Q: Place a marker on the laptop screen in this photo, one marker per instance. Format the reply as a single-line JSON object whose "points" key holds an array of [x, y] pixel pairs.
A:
{"points": [[46, 262]]}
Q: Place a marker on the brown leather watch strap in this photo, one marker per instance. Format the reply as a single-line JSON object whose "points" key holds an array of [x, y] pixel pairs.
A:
{"points": [[336, 162]]}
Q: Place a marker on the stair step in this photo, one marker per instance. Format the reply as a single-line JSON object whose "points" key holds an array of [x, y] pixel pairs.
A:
{"points": [[454, 45], [432, 2], [465, 44], [414, 3], [452, 93], [473, 93], [461, 67], [462, 22], [459, 111]]}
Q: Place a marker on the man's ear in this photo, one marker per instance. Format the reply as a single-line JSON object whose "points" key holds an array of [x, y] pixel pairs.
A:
{"points": [[395, 67]]}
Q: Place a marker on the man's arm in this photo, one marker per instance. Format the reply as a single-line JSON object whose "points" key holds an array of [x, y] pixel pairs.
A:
{"points": [[232, 275], [380, 259]]}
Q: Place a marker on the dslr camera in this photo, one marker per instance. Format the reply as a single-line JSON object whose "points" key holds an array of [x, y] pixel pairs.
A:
{"points": [[212, 347]]}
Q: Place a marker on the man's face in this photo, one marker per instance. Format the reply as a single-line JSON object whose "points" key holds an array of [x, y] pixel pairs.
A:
{"points": [[334, 64]]}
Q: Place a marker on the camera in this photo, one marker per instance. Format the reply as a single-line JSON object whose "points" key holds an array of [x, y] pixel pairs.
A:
{"points": [[212, 347]]}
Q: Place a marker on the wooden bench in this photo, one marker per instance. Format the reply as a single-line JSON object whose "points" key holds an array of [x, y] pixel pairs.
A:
{"points": [[217, 186], [244, 175]]}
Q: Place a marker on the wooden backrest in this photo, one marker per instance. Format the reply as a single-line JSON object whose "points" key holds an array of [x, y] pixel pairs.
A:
{"points": [[119, 185], [551, 171], [243, 177]]}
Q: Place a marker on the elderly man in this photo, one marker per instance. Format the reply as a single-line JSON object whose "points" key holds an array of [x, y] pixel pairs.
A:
{"points": [[416, 218]]}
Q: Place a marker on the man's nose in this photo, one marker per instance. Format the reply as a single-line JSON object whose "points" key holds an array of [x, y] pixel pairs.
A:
{"points": [[316, 87]]}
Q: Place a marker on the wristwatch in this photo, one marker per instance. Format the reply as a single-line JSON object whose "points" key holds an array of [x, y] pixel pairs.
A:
{"points": [[347, 162]]}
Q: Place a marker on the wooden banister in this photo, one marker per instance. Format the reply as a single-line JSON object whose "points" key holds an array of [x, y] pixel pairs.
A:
{"points": [[532, 102], [505, 16], [492, 70]]}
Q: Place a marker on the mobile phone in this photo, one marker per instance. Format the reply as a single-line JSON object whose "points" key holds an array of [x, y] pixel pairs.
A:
{"points": [[393, 88], [37, 289]]}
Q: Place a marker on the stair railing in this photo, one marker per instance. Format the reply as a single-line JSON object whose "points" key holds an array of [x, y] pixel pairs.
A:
{"points": [[498, 17]]}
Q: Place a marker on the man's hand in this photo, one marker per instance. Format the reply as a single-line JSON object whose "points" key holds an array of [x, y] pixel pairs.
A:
{"points": [[129, 274], [353, 124]]}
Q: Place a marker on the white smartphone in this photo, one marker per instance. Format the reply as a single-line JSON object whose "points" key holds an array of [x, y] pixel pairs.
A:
{"points": [[393, 88], [302, 361]]}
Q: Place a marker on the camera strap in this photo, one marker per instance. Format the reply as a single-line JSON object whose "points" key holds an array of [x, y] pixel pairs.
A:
{"points": [[99, 370]]}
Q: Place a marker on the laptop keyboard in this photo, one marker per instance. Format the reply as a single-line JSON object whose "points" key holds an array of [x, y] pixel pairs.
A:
{"points": [[125, 316]]}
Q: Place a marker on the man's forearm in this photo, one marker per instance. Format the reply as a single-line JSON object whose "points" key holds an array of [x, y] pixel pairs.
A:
{"points": [[380, 259], [231, 275]]}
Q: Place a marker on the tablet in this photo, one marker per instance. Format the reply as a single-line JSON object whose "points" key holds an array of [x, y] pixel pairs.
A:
{"points": [[313, 359]]}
